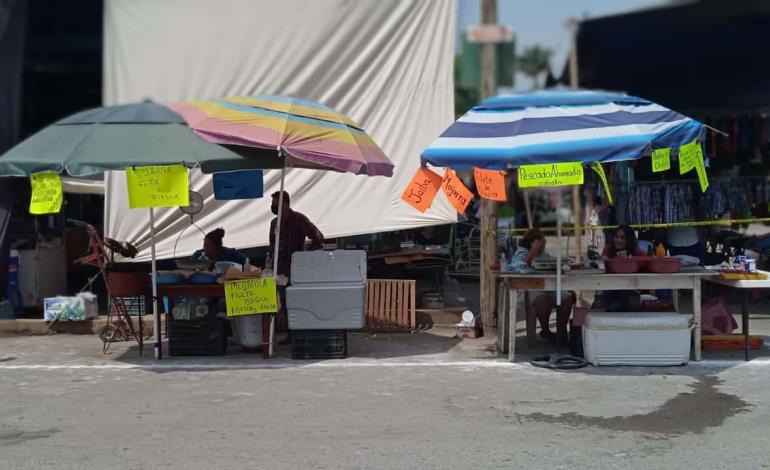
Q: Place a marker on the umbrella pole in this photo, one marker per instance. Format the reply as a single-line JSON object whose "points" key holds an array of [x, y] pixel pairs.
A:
{"points": [[558, 249], [277, 244], [155, 311]]}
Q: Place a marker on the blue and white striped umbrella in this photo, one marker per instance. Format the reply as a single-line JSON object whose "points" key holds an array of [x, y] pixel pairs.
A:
{"points": [[559, 126]]}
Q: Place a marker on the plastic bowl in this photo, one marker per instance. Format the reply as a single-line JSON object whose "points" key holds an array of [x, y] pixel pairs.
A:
{"points": [[665, 265], [621, 266]]}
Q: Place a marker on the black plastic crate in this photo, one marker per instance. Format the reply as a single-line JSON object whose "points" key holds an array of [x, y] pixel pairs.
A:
{"points": [[197, 338], [319, 344]]}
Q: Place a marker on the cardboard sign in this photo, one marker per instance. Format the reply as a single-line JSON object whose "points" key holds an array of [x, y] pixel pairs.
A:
{"points": [[422, 189], [490, 184], [47, 195], [157, 186], [250, 296], [689, 156], [599, 169], [661, 160], [550, 175], [459, 196]]}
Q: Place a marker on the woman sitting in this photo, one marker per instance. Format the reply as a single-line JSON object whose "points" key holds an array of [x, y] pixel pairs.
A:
{"points": [[623, 244], [532, 246], [213, 250]]}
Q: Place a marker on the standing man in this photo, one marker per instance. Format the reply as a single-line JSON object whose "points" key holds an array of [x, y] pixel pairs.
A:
{"points": [[295, 229]]}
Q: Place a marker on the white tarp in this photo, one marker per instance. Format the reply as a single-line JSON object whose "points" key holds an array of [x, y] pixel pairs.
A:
{"points": [[385, 63]]}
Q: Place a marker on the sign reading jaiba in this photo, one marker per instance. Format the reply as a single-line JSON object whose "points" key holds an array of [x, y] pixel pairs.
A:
{"points": [[550, 175]]}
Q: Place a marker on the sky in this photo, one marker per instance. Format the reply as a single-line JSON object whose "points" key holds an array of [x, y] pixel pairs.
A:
{"points": [[543, 22]]}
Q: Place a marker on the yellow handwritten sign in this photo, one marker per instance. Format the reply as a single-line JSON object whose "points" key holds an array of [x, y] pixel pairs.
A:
{"points": [[550, 174], [599, 169], [46, 193], [250, 296], [661, 160], [702, 177], [157, 186], [689, 156]]}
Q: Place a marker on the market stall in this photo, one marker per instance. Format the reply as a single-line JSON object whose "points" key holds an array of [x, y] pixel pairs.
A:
{"points": [[548, 137], [155, 147]]}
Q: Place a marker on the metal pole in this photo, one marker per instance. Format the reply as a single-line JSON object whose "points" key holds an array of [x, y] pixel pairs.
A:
{"points": [[155, 311], [558, 249], [271, 346]]}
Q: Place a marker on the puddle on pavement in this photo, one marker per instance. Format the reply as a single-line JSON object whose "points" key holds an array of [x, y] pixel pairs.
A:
{"points": [[690, 412]]}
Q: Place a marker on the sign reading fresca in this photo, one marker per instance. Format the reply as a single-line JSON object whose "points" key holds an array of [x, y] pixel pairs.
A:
{"points": [[550, 175]]}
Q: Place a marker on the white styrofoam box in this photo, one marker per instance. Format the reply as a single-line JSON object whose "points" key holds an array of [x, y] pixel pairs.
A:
{"points": [[326, 306], [328, 266], [639, 338], [80, 307]]}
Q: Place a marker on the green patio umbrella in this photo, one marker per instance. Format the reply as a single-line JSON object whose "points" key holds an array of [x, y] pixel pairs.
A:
{"points": [[115, 137]]}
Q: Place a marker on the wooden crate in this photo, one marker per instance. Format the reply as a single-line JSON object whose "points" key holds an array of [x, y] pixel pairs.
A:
{"points": [[390, 305]]}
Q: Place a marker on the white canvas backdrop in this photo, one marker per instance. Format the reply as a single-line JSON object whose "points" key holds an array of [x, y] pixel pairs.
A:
{"points": [[385, 63]]}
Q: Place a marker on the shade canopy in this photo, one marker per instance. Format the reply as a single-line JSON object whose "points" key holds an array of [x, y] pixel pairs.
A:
{"points": [[559, 125], [115, 137]]}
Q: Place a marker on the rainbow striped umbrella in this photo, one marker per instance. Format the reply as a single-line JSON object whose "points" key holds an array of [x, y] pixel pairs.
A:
{"points": [[306, 134]]}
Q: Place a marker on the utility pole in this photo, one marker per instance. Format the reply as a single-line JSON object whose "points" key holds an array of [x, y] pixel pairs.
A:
{"points": [[488, 227]]}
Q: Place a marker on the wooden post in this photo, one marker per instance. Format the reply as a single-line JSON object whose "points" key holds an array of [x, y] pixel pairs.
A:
{"points": [[573, 82], [488, 208]]}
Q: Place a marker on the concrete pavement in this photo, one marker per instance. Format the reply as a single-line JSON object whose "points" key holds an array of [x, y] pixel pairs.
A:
{"points": [[405, 401]]}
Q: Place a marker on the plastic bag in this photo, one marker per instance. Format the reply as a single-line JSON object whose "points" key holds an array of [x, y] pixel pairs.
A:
{"points": [[716, 318]]}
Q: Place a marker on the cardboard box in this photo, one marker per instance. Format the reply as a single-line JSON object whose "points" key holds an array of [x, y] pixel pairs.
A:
{"points": [[78, 308]]}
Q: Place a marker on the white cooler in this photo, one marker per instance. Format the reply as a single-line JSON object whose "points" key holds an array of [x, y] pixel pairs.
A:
{"points": [[637, 339], [328, 290]]}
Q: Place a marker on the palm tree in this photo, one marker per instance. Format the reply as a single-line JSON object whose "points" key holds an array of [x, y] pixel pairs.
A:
{"points": [[533, 61]]}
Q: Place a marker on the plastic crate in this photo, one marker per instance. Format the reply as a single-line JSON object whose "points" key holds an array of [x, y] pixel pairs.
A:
{"points": [[197, 338], [319, 344]]}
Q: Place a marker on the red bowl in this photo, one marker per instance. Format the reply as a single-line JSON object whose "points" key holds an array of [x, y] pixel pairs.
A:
{"points": [[643, 262], [621, 266], [665, 265]]}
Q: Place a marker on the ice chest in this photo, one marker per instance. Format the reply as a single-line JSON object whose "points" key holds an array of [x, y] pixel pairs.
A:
{"points": [[637, 339], [328, 290]]}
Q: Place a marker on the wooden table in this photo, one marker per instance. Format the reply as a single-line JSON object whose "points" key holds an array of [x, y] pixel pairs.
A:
{"points": [[217, 291], [745, 285], [594, 280]]}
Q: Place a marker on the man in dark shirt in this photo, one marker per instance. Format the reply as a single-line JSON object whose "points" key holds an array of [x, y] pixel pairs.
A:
{"points": [[295, 228]]}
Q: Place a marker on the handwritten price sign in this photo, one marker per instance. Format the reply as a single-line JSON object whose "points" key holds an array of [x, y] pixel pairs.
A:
{"points": [[422, 189], [550, 175], [490, 184], [689, 156], [157, 186], [46, 193], [661, 160], [250, 296]]}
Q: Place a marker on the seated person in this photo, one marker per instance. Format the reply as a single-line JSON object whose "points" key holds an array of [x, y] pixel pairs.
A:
{"points": [[623, 244], [532, 246], [214, 251]]}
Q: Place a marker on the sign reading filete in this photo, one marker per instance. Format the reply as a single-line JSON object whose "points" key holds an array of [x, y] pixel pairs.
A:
{"points": [[157, 186], [422, 189], [47, 194], [490, 184], [550, 175], [250, 296]]}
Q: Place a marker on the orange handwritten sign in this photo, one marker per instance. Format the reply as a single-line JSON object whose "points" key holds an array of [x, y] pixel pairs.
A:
{"points": [[422, 189], [459, 196], [490, 184]]}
